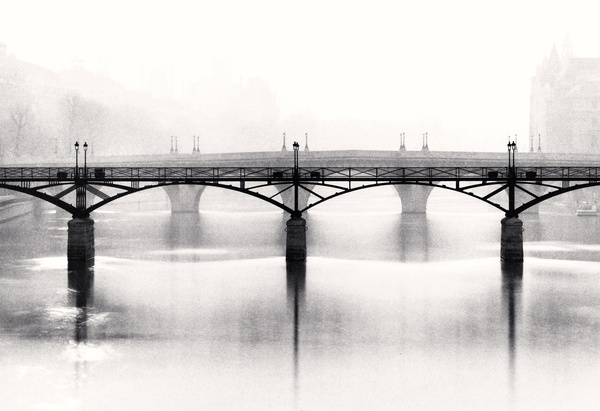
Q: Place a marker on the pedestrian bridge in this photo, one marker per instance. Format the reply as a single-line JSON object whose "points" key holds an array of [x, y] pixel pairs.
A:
{"points": [[280, 180], [80, 193]]}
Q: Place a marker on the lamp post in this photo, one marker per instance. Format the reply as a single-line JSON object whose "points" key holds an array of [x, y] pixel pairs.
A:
{"points": [[425, 142], [296, 149], [85, 147], [514, 150], [296, 178], [512, 177], [77, 159], [512, 147]]}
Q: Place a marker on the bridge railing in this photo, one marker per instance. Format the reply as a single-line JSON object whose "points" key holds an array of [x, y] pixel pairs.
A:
{"points": [[36, 173], [558, 173], [196, 173], [199, 174], [409, 173]]}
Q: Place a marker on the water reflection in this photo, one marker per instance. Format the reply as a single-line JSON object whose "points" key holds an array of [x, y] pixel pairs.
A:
{"points": [[81, 283], [375, 333], [512, 280], [413, 233], [81, 297], [193, 237], [183, 231], [296, 283]]}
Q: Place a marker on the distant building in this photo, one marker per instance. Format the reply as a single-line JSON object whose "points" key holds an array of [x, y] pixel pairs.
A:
{"points": [[565, 104], [42, 112]]}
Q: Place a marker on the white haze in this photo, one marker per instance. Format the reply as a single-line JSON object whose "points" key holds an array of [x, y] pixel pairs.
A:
{"points": [[353, 75]]}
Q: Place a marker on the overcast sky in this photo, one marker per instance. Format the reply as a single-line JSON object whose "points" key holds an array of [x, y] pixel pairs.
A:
{"points": [[461, 68]]}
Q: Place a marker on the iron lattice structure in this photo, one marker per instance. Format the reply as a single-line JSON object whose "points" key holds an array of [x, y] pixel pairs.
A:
{"points": [[534, 184]]}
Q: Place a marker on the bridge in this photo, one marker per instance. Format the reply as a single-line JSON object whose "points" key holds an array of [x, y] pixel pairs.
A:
{"points": [[278, 179]]}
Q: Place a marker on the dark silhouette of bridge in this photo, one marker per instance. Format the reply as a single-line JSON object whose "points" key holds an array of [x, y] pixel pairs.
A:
{"points": [[322, 177], [42, 182]]}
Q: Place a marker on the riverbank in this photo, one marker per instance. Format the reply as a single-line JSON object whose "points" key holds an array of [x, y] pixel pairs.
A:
{"points": [[12, 207]]}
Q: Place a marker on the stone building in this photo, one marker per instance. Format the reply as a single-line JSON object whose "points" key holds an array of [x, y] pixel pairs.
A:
{"points": [[565, 104]]}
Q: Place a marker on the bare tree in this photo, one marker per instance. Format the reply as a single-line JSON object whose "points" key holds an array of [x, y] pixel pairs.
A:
{"points": [[20, 116]]}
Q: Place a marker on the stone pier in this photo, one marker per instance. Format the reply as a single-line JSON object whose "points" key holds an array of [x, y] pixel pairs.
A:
{"points": [[511, 239], [80, 245], [184, 198], [413, 197], [295, 248], [80, 258]]}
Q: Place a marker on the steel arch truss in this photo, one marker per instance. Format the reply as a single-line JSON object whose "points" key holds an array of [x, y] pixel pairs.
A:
{"points": [[68, 188], [531, 185]]}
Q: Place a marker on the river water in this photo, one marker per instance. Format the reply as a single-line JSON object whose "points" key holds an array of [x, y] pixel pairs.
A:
{"points": [[390, 311]]}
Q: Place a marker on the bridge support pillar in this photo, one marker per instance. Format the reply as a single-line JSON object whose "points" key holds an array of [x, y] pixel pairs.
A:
{"points": [[511, 239], [295, 248], [80, 243], [184, 198], [80, 255], [414, 197]]}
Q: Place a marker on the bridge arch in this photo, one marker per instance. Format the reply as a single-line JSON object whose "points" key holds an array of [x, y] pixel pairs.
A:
{"points": [[418, 201], [192, 197], [42, 196], [529, 194], [104, 199], [533, 191], [552, 194]]}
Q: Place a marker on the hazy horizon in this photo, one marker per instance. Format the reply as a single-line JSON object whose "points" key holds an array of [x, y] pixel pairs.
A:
{"points": [[353, 76]]}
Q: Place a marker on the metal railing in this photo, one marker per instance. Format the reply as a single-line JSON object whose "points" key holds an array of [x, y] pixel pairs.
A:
{"points": [[199, 174]]}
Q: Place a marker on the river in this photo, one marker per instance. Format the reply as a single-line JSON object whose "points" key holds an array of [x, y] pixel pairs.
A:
{"points": [[390, 311]]}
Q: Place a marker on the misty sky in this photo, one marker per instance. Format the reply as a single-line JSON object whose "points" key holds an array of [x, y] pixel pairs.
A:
{"points": [[459, 70]]}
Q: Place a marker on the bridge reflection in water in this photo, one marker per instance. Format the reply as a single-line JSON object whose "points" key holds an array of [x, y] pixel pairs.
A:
{"points": [[512, 282], [296, 284], [385, 327], [81, 297]]}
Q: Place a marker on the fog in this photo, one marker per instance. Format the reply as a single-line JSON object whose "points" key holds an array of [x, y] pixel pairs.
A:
{"points": [[128, 76]]}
